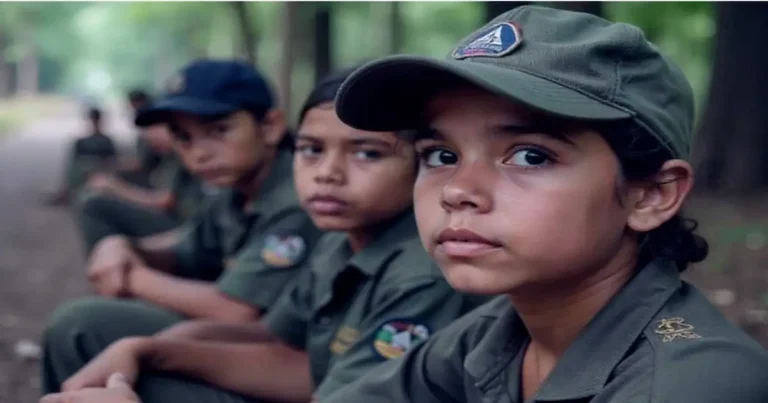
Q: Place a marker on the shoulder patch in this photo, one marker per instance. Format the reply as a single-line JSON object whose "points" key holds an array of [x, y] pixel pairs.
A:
{"points": [[395, 338], [675, 328], [495, 41], [283, 250]]}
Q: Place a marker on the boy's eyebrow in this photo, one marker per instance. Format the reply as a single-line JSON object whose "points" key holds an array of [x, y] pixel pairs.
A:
{"points": [[428, 133], [354, 141], [215, 118], [522, 129], [431, 133], [369, 140], [305, 136]]}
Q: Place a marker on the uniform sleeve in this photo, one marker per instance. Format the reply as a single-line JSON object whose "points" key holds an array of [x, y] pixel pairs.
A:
{"points": [[289, 317], [408, 316], [198, 253], [271, 259]]}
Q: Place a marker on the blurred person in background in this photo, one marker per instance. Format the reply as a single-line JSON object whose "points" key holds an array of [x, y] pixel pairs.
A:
{"points": [[90, 154]]}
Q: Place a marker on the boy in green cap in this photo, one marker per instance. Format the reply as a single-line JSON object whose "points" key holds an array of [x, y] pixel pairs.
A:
{"points": [[553, 152]]}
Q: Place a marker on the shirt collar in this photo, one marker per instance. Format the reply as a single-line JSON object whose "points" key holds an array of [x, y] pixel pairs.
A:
{"points": [[603, 343]]}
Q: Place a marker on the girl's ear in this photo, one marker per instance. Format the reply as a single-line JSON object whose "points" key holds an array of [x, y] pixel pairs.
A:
{"points": [[658, 200], [274, 127]]}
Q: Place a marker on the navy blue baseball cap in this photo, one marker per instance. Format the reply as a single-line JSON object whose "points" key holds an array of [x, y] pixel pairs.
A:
{"points": [[210, 88]]}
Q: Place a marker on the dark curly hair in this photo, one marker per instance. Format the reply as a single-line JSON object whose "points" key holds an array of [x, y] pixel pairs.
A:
{"points": [[641, 156]]}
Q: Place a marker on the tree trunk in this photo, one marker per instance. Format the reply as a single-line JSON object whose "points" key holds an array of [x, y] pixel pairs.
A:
{"points": [[248, 38], [323, 44], [5, 67], [495, 8], [391, 32], [591, 7], [731, 149], [290, 12], [28, 69]]}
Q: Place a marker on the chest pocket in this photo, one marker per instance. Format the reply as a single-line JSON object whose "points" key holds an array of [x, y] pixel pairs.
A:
{"points": [[336, 319]]}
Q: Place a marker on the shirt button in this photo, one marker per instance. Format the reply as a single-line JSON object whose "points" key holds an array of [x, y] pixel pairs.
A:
{"points": [[324, 321]]}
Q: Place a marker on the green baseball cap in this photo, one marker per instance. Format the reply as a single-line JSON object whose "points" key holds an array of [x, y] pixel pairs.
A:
{"points": [[569, 64]]}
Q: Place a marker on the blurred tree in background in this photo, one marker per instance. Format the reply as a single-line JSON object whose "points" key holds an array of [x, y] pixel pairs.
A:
{"points": [[100, 49]]}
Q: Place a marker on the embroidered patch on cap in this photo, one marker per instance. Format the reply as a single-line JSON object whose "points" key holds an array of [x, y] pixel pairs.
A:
{"points": [[283, 250], [395, 338], [175, 84], [495, 41]]}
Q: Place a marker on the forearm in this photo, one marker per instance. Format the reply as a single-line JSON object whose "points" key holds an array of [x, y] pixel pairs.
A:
{"points": [[193, 298], [269, 371], [207, 330], [158, 250], [155, 199]]}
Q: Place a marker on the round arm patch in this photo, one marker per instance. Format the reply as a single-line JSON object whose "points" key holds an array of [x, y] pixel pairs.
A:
{"points": [[395, 338], [283, 250]]}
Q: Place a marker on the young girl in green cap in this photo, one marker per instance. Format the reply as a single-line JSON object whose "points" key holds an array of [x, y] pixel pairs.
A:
{"points": [[553, 151], [370, 295]]}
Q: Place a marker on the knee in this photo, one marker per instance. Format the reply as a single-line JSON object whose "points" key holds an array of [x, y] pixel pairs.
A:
{"points": [[91, 324], [75, 320], [93, 204]]}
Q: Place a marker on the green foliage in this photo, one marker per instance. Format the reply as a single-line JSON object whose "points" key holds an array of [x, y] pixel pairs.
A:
{"points": [[141, 43]]}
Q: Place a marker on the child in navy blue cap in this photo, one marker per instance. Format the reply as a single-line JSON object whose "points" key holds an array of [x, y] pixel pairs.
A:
{"points": [[228, 263]]}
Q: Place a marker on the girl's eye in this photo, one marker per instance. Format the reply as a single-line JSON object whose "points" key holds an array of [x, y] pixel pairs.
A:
{"points": [[529, 157], [308, 150], [368, 155], [438, 157]]}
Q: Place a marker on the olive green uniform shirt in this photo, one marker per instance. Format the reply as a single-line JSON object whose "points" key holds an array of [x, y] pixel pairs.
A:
{"points": [[659, 340], [253, 250], [352, 311]]}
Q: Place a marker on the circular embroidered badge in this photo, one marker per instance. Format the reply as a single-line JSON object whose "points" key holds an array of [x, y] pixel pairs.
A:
{"points": [[395, 338], [283, 250]]}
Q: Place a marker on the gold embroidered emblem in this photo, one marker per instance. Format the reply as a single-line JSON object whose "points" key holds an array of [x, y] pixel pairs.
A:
{"points": [[345, 338], [674, 328]]}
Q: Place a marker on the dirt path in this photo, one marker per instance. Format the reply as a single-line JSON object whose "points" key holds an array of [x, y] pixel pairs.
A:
{"points": [[41, 262]]}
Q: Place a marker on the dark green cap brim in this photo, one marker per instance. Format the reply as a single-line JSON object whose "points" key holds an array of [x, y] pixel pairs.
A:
{"points": [[392, 93]]}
